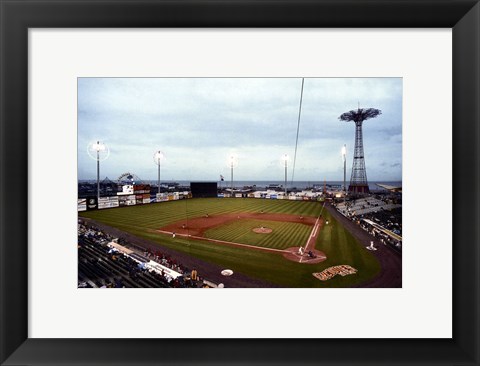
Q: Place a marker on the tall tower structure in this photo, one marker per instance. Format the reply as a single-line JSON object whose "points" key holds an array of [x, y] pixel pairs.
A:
{"points": [[358, 179]]}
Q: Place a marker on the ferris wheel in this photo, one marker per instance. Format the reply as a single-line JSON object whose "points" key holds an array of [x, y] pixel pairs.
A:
{"points": [[128, 179]]}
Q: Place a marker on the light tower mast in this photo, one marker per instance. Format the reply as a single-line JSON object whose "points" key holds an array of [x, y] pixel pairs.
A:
{"points": [[358, 179]]}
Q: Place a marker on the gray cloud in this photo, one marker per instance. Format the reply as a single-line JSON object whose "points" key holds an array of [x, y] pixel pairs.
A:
{"points": [[199, 122]]}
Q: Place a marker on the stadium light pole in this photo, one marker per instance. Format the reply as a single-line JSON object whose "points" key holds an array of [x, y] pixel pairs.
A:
{"points": [[157, 157], [232, 162], [285, 159], [98, 147], [98, 152], [344, 154]]}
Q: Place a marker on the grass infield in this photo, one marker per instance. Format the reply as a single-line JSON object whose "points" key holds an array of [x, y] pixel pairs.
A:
{"points": [[334, 240], [284, 234]]}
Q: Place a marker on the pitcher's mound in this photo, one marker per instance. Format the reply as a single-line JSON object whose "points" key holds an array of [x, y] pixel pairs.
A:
{"points": [[262, 230]]}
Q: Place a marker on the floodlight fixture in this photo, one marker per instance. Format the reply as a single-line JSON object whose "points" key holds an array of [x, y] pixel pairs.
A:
{"points": [[232, 160], [98, 146], [98, 151]]}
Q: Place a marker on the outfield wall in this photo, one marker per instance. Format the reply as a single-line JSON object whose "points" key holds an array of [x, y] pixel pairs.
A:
{"points": [[147, 198], [84, 204]]}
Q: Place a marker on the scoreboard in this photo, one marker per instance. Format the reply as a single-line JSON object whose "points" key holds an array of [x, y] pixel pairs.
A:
{"points": [[203, 189]]}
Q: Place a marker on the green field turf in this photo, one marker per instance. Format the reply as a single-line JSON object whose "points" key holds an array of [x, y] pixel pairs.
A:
{"points": [[284, 234], [334, 240]]}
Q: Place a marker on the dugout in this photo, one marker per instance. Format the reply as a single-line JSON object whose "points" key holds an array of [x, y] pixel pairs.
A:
{"points": [[203, 189]]}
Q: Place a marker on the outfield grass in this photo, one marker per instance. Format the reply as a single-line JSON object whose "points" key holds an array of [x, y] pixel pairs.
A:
{"points": [[284, 234], [334, 240]]}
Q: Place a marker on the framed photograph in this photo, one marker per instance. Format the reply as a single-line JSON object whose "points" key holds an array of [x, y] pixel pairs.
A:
{"points": [[223, 126], [247, 155]]}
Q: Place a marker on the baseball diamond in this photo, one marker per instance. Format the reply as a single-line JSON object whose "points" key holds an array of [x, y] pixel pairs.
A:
{"points": [[212, 233]]}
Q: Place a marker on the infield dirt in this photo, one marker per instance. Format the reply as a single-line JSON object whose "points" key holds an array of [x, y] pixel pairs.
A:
{"points": [[195, 228], [198, 226]]}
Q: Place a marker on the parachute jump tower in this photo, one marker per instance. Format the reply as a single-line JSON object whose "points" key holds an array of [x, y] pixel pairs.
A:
{"points": [[358, 180]]}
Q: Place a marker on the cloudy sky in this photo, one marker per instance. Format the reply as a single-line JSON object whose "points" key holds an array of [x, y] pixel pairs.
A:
{"points": [[200, 122]]}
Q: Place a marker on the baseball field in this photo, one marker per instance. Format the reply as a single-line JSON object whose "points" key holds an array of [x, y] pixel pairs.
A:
{"points": [[258, 238]]}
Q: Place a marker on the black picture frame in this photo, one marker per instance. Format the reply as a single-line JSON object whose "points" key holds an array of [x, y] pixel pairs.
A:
{"points": [[17, 16]]}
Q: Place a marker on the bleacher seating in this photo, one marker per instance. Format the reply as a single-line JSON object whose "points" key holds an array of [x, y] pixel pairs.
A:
{"points": [[382, 211], [102, 266]]}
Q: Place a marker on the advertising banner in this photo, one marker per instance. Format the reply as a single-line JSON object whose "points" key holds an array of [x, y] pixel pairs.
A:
{"points": [[146, 198], [91, 203], [162, 197], [103, 203], [126, 189], [82, 204], [113, 201], [108, 202], [122, 201], [131, 200], [141, 188], [126, 200]]}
